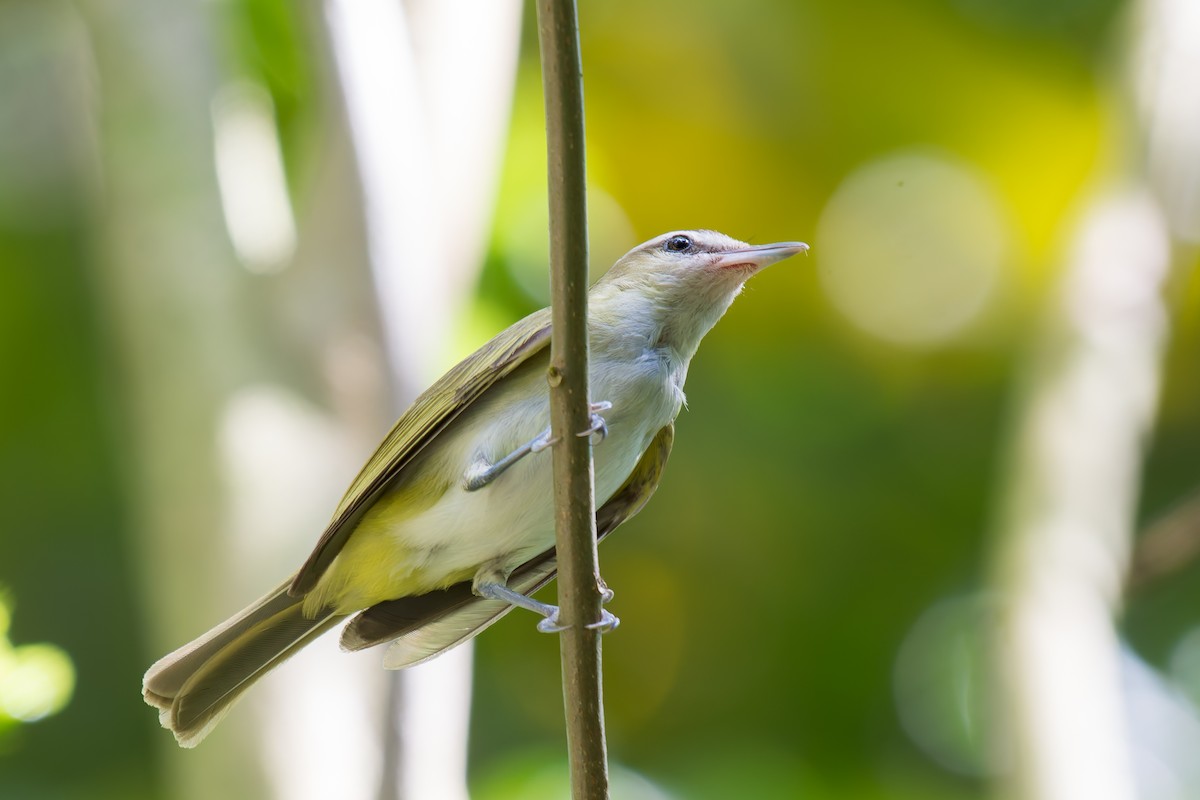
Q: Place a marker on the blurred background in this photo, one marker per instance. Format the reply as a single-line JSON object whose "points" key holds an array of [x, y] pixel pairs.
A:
{"points": [[931, 522]]}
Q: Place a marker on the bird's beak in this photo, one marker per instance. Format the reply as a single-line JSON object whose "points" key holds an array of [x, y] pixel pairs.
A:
{"points": [[760, 256]]}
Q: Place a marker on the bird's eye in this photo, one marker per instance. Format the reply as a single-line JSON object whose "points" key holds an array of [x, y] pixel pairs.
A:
{"points": [[677, 244]]}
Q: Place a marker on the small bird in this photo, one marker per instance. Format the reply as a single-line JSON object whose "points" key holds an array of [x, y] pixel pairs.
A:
{"points": [[450, 523]]}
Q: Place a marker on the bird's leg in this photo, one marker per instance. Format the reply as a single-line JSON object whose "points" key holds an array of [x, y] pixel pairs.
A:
{"points": [[482, 472], [492, 584]]}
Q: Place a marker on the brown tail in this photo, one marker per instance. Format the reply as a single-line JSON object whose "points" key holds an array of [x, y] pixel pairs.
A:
{"points": [[194, 686]]}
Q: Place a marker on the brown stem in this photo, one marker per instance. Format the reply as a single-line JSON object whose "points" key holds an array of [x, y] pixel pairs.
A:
{"points": [[578, 570]]}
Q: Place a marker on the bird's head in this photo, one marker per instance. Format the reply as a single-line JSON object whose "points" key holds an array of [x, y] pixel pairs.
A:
{"points": [[687, 279]]}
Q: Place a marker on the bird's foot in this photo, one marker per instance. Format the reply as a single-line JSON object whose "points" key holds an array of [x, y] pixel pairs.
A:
{"points": [[550, 624], [607, 622]]}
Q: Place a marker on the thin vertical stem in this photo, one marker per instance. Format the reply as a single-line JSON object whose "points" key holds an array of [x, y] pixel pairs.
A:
{"points": [[578, 571]]}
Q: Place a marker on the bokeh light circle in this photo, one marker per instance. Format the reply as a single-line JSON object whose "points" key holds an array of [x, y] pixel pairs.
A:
{"points": [[940, 682], [36, 680], [911, 247]]}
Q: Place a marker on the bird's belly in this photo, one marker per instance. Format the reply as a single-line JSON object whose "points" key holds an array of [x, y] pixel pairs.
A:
{"points": [[397, 551]]}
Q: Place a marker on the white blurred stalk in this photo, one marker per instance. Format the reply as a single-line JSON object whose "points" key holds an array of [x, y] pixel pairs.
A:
{"points": [[1072, 488], [1071, 501], [427, 87], [1166, 72], [250, 175]]}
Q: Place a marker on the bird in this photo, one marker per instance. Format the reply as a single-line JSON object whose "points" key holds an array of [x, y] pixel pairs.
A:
{"points": [[449, 525]]}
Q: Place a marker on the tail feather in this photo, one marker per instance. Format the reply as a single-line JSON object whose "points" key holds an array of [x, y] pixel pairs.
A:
{"points": [[194, 686], [166, 676]]}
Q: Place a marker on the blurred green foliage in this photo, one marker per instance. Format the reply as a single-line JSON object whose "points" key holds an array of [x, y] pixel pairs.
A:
{"points": [[826, 487]]}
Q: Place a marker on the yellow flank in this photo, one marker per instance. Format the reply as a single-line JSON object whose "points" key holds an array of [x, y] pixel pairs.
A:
{"points": [[375, 565]]}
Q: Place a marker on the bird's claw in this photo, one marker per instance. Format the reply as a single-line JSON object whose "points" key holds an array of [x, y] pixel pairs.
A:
{"points": [[598, 426], [608, 622]]}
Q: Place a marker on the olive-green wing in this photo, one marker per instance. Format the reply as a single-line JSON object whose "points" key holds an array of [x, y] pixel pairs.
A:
{"points": [[427, 625], [428, 416]]}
